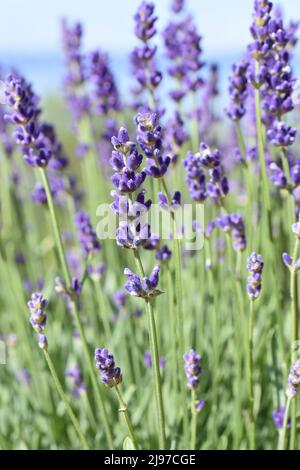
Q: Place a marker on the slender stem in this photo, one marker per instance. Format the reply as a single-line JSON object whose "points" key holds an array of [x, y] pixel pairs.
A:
{"points": [[291, 203], [193, 420], [123, 409], [156, 373], [262, 161], [64, 399], [294, 334], [155, 358], [251, 369], [282, 437], [67, 275]]}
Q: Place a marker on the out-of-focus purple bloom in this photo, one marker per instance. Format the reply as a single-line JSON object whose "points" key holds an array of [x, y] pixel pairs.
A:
{"points": [[148, 361], [278, 418], [163, 254], [195, 164], [277, 176], [192, 369], [177, 6], [75, 374], [183, 49], [119, 299], [286, 258], [293, 380], [24, 376], [110, 375], [238, 91], [233, 224], [255, 267], [86, 235], [175, 136], [105, 96], [199, 405], [143, 57], [96, 272], [174, 204], [145, 287]]}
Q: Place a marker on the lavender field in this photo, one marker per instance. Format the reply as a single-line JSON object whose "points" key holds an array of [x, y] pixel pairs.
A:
{"points": [[149, 244]]}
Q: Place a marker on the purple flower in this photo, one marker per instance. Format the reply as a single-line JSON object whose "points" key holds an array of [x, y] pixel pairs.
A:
{"points": [[96, 272], [163, 254], [255, 267], [37, 305], [24, 376], [238, 90], [175, 201], [177, 5], [86, 235], [278, 418], [125, 161], [192, 369], [143, 57], [28, 135], [293, 380], [281, 135], [110, 375], [148, 361], [104, 96], [199, 405], [145, 287], [175, 136], [233, 224], [75, 374], [119, 299], [183, 49]]}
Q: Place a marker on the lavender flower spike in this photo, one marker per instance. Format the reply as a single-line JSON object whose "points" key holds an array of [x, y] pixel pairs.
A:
{"points": [[255, 267], [145, 287], [293, 380], [105, 363], [37, 305], [192, 369]]}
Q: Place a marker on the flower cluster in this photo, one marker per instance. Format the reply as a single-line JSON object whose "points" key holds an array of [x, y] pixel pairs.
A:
{"points": [[105, 363], [125, 161], [78, 101], [148, 360], [238, 90], [86, 235], [274, 77], [143, 57], [149, 137], [38, 318], [183, 49], [233, 224], [278, 418], [25, 112], [192, 369], [195, 165], [145, 287], [105, 95], [175, 136], [78, 386], [293, 380], [255, 267]]}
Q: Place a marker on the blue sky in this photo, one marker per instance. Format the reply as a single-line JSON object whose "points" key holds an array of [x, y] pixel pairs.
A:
{"points": [[32, 26]]}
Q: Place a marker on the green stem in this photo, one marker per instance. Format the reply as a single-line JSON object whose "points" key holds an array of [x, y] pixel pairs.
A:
{"points": [[193, 420], [156, 374], [282, 437], [294, 335], [64, 399], [155, 358], [123, 409], [67, 275], [251, 380]]}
